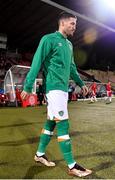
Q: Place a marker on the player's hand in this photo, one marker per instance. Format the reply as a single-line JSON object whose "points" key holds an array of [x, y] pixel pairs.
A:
{"points": [[24, 95], [84, 90]]}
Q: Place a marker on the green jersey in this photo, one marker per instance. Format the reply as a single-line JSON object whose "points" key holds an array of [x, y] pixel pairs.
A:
{"points": [[55, 55]]}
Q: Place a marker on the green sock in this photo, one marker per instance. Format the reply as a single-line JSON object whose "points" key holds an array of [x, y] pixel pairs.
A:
{"points": [[66, 150], [65, 143], [46, 135]]}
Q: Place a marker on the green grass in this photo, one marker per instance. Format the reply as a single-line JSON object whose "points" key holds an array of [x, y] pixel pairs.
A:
{"points": [[92, 129]]}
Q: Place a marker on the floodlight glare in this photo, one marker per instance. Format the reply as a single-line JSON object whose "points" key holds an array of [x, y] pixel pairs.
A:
{"points": [[109, 3]]}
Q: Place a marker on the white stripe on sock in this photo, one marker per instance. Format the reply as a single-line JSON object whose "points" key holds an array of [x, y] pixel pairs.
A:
{"points": [[66, 137], [39, 153], [48, 132], [71, 165]]}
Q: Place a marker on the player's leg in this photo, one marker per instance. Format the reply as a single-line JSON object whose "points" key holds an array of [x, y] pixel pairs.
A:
{"points": [[110, 99], [45, 138], [95, 98], [66, 149], [92, 99], [110, 96], [65, 142], [62, 125], [106, 97]]}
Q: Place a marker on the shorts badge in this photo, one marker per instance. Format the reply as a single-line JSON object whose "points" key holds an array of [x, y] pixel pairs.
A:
{"points": [[61, 113]]}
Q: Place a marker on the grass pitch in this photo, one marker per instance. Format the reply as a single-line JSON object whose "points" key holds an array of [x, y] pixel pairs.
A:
{"points": [[92, 129]]}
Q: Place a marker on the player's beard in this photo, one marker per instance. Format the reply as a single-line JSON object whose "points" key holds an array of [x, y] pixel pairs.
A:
{"points": [[70, 33]]}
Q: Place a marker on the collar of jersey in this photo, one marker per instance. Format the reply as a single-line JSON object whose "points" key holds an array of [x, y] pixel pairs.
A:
{"points": [[60, 35]]}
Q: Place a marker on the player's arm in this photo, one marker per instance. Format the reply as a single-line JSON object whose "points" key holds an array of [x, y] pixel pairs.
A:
{"points": [[75, 76], [40, 55]]}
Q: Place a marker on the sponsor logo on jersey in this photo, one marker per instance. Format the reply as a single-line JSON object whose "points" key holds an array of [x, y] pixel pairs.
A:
{"points": [[59, 44]]}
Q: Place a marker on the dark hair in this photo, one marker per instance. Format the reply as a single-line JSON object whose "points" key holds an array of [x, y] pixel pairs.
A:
{"points": [[65, 15]]}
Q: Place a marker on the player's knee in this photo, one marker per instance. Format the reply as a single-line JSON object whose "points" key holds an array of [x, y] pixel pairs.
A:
{"points": [[63, 135], [62, 128], [48, 127]]}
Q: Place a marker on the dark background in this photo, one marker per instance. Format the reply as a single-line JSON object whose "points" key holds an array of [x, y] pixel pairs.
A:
{"points": [[25, 22]]}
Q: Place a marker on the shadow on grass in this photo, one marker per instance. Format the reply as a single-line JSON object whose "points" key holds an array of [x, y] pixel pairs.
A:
{"points": [[3, 163], [20, 142], [78, 133], [38, 168], [107, 153], [16, 125], [102, 166], [35, 170], [35, 139]]}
